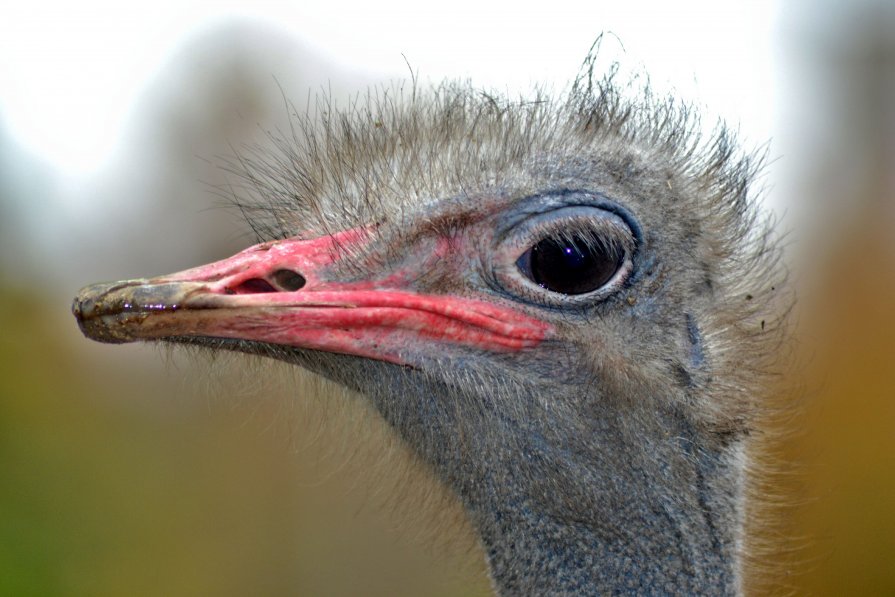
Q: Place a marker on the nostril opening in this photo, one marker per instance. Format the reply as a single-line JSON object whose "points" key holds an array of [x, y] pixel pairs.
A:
{"points": [[254, 286], [285, 279], [289, 280]]}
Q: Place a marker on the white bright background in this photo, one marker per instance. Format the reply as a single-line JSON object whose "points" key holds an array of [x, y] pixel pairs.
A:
{"points": [[72, 71], [77, 79]]}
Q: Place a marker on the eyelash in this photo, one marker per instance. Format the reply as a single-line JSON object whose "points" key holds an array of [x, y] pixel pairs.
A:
{"points": [[574, 231]]}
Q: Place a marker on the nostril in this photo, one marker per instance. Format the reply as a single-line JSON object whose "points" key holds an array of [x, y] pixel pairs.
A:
{"points": [[285, 279], [254, 286], [289, 280]]}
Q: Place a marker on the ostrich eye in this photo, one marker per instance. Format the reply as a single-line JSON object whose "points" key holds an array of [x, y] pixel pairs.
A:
{"points": [[571, 264], [568, 257]]}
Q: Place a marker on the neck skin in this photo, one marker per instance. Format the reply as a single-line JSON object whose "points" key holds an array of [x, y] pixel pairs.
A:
{"points": [[643, 542], [613, 513], [614, 510]]}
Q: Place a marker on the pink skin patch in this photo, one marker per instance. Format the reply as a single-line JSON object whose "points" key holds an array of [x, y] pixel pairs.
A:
{"points": [[243, 298], [259, 261]]}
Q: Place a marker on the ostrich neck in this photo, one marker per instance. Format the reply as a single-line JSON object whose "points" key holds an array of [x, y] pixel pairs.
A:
{"points": [[599, 514], [564, 515], [656, 544]]}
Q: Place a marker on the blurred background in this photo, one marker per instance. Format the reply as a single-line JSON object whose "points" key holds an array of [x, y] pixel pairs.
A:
{"points": [[136, 470]]}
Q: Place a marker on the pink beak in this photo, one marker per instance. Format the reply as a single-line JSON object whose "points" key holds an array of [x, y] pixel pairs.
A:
{"points": [[278, 293]]}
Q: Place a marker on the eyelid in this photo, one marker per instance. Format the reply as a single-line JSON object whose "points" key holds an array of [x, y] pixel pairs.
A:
{"points": [[537, 206], [587, 222]]}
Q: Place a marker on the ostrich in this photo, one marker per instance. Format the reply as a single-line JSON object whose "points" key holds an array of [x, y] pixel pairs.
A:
{"points": [[566, 306]]}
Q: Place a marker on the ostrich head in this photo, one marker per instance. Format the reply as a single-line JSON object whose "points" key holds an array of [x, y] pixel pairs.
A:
{"points": [[563, 305]]}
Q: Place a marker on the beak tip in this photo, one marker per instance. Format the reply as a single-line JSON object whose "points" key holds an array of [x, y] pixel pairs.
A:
{"points": [[97, 310]]}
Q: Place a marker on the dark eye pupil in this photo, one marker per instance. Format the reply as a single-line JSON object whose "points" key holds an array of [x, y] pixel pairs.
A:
{"points": [[573, 265]]}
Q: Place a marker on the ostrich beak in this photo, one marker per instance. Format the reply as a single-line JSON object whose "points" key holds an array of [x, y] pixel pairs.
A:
{"points": [[284, 293]]}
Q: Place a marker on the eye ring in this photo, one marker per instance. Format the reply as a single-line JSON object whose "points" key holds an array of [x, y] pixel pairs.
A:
{"points": [[573, 255]]}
